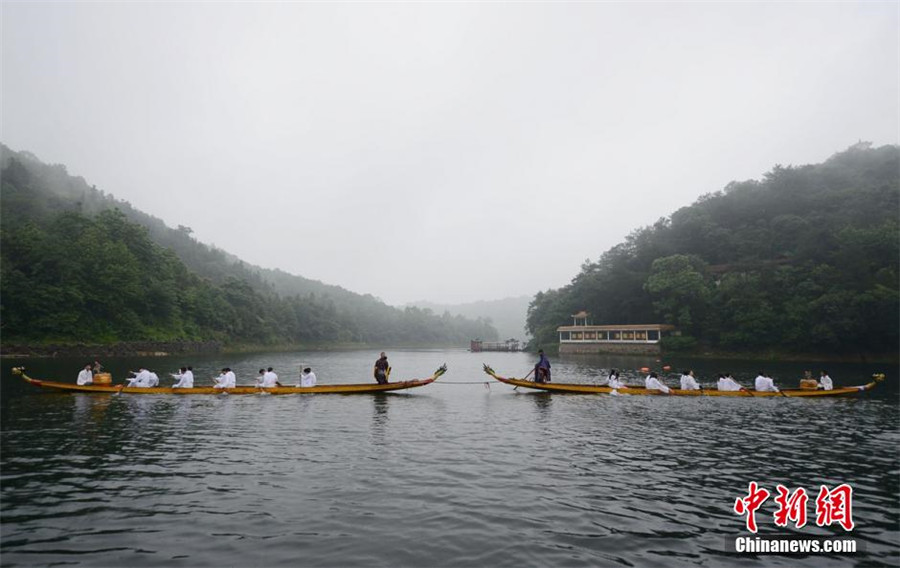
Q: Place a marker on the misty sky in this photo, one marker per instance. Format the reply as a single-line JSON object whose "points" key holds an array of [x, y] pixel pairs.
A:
{"points": [[444, 151]]}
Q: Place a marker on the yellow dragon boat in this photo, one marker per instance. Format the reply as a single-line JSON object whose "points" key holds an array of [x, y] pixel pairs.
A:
{"points": [[599, 389], [318, 389]]}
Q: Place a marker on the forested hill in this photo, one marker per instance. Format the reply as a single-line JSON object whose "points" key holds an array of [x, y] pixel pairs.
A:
{"points": [[79, 265], [804, 260]]}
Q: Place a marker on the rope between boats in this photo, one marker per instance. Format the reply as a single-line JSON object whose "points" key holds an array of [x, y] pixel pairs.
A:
{"points": [[487, 384]]}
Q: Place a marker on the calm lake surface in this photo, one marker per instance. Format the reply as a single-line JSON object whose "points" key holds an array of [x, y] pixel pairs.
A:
{"points": [[463, 472]]}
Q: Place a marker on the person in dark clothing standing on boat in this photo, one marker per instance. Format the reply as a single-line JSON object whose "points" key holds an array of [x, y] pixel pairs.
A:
{"points": [[382, 369], [542, 369]]}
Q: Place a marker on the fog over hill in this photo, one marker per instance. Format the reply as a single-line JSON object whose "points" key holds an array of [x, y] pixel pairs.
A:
{"points": [[804, 260], [507, 315], [80, 265]]}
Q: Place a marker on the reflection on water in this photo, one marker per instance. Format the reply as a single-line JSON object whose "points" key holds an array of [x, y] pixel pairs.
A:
{"points": [[542, 402], [380, 403], [449, 474]]}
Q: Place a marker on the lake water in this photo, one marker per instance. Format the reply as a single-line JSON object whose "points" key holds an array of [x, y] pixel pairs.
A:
{"points": [[463, 472]]}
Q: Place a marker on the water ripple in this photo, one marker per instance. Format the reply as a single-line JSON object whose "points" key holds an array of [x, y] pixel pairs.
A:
{"points": [[452, 476]]}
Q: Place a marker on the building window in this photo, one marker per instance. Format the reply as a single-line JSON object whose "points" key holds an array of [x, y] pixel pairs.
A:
{"points": [[563, 335], [615, 335], [590, 336], [627, 336], [602, 335], [640, 335], [653, 335], [577, 335]]}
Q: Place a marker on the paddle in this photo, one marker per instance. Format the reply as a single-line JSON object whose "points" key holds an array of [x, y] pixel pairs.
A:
{"points": [[525, 378]]}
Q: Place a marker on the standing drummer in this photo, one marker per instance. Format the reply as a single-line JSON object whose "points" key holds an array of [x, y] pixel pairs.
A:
{"points": [[542, 369], [382, 369]]}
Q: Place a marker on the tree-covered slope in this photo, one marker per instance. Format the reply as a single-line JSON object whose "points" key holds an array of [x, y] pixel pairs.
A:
{"points": [[804, 260], [79, 265]]}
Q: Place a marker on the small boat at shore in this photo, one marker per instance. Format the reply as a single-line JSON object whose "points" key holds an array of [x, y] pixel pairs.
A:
{"points": [[318, 389], [638, 390]]}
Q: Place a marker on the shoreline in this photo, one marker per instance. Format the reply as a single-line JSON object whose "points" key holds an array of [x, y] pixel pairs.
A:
{"points": [[168, 348], [865, 358], [811, 357], [119, 349]]}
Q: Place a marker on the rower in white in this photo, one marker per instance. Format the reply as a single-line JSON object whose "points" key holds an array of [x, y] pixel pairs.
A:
{"points": [[226, 380], [185, 378], [825, 381], [270, 379], [141, 378], [614, 382], [652, 382], [85, 377], [764, 383], [688, 382], [727, 383], [307, 378]]}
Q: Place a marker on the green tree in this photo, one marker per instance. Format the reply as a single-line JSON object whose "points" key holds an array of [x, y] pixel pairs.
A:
{"points": [[680, 291]]}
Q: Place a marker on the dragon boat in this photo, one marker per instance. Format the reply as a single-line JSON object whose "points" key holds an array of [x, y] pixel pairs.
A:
{"points": [[318, 389], [638, 390]]}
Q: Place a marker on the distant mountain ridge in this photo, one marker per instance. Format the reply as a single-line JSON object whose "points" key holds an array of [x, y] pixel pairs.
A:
{"points": [[48, 214], [507, 314]]}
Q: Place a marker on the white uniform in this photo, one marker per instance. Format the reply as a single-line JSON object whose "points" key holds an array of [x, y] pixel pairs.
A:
{"points": [[652, 383], [307, 379], [230, 380], [270, 379], [223, 381], [689, 383], [154, 380], [615, 383], [765, 384], [728, 384], [825, 383], [85, 377], [142, 379], [185, 380]]}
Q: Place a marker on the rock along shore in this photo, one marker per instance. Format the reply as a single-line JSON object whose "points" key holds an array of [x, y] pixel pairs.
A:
{"points": [[124, 349]]}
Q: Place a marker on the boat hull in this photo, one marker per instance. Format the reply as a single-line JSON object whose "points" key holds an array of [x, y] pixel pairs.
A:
{"points": [[598, 389], [319, 389]]}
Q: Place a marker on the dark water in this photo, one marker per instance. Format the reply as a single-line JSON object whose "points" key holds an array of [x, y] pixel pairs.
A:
{"points": [[444, 475]]}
